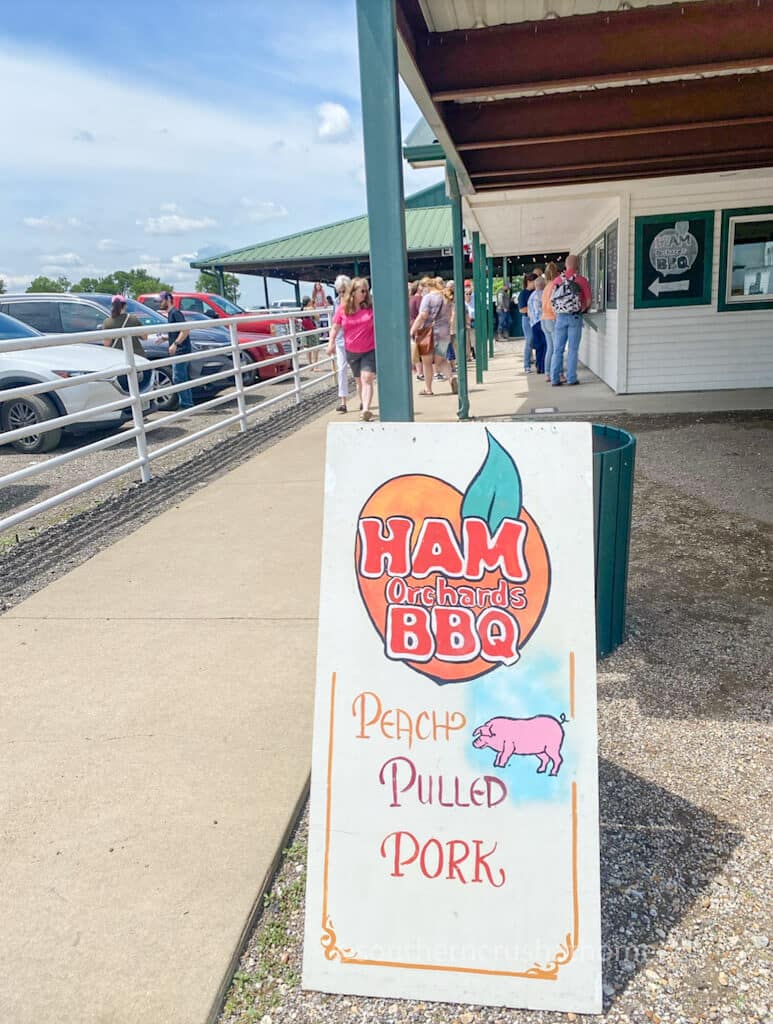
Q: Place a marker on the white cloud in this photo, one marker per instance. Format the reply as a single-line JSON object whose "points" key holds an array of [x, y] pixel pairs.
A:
{"points": [[169, 207], [51, 223], [112, 245], [333, 123], [84, 136], [15, 282], [62, 259], [175, 224], [257, 210]]}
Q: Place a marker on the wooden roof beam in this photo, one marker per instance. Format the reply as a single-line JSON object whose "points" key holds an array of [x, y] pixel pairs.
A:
{"points": [[642, 110], [711, 36], [625, 150]]}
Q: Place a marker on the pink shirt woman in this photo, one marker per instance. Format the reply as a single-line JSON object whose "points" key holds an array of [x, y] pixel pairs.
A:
{"points": [[355, 317]]}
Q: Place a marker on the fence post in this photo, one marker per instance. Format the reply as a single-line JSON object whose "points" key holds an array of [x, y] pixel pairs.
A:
{"points": [[236, 356], [136, 406], [296, 361]]}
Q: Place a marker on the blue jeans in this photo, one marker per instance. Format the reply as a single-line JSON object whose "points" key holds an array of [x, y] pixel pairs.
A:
{"points": [[503, 322], [568, 328], [180, 373], [548, 327], [538, 342], [526, 341]]}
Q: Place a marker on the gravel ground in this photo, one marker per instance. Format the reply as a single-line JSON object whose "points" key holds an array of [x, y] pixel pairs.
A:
{"points": [[16, 497], [684, 715]]}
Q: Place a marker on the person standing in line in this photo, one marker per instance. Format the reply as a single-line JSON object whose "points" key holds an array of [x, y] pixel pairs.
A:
{"points": [[414, 301], [523, 308], [435, 311], [355, 318], [535, 318], [503, 311], [548, 321], [342, 285], [318, 301], [469, 303], [179, 345], [571, 297]]}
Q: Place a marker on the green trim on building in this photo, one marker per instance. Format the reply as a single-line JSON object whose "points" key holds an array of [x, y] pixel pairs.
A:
{"points": [[723, 306], [643, 301]]}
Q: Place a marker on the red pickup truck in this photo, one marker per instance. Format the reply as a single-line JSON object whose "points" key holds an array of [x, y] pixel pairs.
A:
{"points": [[217, 307]]}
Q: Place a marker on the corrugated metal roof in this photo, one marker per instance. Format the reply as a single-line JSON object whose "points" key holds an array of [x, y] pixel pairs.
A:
{"points": [[427, 228], [442, 16]]}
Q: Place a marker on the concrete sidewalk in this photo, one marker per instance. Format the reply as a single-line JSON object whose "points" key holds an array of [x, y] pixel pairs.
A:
{"points": [[156, 730]]}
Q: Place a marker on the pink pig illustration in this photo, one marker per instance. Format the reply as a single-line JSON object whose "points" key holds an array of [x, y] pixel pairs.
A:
{"points": [[541, 735]]}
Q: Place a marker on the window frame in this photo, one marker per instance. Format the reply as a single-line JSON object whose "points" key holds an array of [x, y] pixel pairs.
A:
{"points": [[53, 303], [725, 304], [65, 305]]}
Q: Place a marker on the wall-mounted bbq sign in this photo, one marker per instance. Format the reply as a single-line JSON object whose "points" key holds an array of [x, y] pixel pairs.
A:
{"points": [[454, 811], [673, 258]]}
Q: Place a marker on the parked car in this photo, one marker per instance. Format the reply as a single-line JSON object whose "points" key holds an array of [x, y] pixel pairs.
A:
{"points": [[72, 312], [217, 307], [39, 365], [253, 354]]}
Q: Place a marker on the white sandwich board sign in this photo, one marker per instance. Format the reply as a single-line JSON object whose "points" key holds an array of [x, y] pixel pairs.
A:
{"points": [[454, 807]]}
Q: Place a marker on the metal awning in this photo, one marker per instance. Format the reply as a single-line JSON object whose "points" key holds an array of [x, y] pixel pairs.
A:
{"points": [[531, 93]]}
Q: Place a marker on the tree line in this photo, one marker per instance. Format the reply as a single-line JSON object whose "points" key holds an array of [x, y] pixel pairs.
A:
{"points": [[127, 282]]}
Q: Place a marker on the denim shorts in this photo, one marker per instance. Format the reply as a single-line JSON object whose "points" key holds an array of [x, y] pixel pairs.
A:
{"points": [[359, 361]]}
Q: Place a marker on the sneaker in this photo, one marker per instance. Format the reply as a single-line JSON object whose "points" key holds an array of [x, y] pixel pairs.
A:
{"points": [[527, 370], [439, 376], [419, 376], [341, 407], [366, 415]]}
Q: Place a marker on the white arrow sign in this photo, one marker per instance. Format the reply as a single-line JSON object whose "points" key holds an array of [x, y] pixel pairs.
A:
{"points": [[668, 286]]}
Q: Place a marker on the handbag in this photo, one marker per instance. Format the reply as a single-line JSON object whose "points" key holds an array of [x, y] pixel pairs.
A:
{"points": [[425, 340], [425, 336]]}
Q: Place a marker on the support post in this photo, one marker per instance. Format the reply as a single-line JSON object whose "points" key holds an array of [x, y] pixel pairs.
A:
{"points": [[265, 291], [459, 306], [491, 324], [220, 280], [505, 280], [480, 328], [138, 419], [485, 309], [356, 267], [297, 293], [377, 36], [236, 357]]}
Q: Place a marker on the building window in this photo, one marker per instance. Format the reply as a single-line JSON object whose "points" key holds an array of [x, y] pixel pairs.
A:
{"points": [[746, 259], [598, 276]]}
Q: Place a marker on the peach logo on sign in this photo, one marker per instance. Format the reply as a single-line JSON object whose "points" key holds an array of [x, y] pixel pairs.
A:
{"points": [[455, 584]]}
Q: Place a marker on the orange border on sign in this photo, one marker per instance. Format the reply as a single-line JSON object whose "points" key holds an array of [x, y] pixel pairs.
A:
{"points": [[538, 971]]}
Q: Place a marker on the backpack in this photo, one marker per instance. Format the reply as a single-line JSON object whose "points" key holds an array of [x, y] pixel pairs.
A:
{"points": [[566, 297]]}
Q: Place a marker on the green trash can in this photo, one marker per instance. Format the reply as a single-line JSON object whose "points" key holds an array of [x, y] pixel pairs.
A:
{"points": [[614, 456]]}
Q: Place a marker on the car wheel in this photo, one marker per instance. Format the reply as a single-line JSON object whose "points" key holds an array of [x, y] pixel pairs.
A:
{"points": [[250, 376], [26, 412], [165, 403]]}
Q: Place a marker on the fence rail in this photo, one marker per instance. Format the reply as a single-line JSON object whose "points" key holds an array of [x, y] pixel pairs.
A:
{"points": [[138, 395]]}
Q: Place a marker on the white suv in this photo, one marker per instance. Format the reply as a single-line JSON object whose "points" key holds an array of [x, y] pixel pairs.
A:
{"points": [[38, 365]]}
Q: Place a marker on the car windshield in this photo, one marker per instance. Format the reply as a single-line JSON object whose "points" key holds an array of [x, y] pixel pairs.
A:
{"points": [[11, 329], [227, 307]]}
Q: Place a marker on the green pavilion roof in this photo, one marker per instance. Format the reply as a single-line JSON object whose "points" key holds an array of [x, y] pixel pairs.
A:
{"points": [[427, 229]]}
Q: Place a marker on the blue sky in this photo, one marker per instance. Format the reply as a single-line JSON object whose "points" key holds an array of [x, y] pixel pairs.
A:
{"points": [[164, 130]]}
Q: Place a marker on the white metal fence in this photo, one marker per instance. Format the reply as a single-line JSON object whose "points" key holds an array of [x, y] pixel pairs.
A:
{"points": [[138, 400]]}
